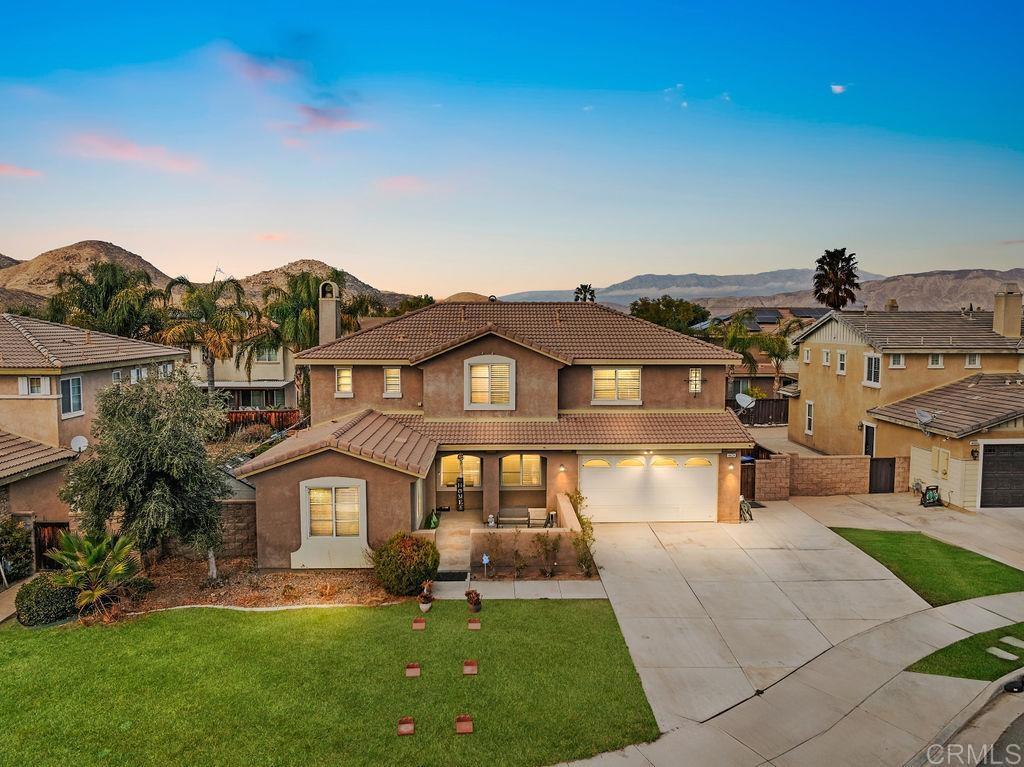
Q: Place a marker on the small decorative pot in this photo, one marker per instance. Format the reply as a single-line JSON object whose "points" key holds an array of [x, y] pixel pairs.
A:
{"points": [[469, 668], [463, 724], [412, 669], [475, 608], [473, 624], [407, 726], [419, 624], [425, 606]]}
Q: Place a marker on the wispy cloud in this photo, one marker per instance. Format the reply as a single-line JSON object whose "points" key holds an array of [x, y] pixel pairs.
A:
{"points": [[271, 237], [17, 171], [327, 120], [261, 69], [1011, 242], [402, 185], [96, 146], [837, 88]]}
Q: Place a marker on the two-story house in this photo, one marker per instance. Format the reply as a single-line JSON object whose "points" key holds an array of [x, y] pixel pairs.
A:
{"points": [[269, 385], [490, 406], [50, 375], [924, 385]]}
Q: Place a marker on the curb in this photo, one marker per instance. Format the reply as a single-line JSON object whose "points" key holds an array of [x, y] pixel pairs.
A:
{"points": [[963, 718], [237, 608]]}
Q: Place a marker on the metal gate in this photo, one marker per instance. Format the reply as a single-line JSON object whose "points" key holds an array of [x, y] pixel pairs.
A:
{"points": [[883, 475], [47, 536]]}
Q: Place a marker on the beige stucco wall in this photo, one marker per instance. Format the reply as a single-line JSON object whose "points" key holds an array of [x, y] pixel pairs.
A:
{"points": [[367, 390], [661, 387], [37, 495], [841, 402], [225, 370]]}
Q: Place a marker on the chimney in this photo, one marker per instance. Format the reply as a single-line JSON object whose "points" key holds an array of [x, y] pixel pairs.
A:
{"points": [[1006, 316], [891, 305], [330, 312]]}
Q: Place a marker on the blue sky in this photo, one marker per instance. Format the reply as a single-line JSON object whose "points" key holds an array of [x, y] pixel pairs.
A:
{"points": [[498, 147]]}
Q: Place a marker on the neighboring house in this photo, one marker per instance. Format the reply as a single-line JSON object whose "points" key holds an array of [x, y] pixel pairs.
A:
{"points": [[857, 367], [522, 401], [271, 384], [765, 319], [50, 375]]}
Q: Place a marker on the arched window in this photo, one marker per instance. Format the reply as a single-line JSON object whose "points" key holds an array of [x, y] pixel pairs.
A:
{"points": [[664, 462], [697, 461], [596, 463], [630, 463]]}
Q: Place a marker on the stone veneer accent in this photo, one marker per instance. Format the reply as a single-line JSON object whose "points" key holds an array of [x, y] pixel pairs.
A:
{"points": [[239, 521]]}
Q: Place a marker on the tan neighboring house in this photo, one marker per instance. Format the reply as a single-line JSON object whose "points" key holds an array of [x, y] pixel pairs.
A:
{"points": [[508, 405], [861, 371], [270, 385], [50, 375]]}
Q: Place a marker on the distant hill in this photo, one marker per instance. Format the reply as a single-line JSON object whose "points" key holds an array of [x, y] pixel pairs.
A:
{"points": [[39, 275], [6, 261], [255, 284], [943, 289], [17, 299], [690, 286]]}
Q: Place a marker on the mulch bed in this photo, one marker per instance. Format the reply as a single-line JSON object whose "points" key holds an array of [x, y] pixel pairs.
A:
{"points": [[181, 581]]}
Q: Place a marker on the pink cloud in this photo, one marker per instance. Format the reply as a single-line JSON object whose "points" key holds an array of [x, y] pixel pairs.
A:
{"points": [[837, 88], [402, 185], [259, 69], [99, 147], [16, 171], [270, 237], [327, 120]]}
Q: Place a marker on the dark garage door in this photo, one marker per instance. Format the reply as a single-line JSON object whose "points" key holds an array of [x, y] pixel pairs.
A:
{"points": [[1002, 478]]}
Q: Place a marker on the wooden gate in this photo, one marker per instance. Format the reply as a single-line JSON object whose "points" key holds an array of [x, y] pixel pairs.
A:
{"points": [[748, 480], [47, 536], [883, 475]]}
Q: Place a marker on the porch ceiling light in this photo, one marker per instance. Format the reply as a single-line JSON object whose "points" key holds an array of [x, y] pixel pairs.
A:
{"points": [[561, 467]]}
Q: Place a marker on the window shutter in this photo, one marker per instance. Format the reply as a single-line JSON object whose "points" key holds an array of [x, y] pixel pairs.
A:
{"points": [[23, 386], [46, 385], [935, 459], [346, 511]]}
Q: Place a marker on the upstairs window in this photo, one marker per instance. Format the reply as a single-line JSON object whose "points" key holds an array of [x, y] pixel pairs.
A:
{"points": [[71, 396], [807, 356], [972, 360], [521, 470], [696, 381], [450, 470], [826, 357], [616, 385], [935, 361], [490, 383], [872, 370], [840, 363], [809, 418], [266, 355], [342, 382], [393, 382], [897, 361], [115, 376], [35, 385]]}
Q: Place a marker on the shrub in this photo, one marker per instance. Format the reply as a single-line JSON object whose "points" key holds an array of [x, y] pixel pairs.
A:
{"points": [[518, 562], [42, 601], [100, 569], [404, 562], [582, 543], [256, 432], [545, 546], [15, 549], [496, 552]]}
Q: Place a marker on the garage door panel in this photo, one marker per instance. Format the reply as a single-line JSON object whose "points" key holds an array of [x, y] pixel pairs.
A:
{"points": [[1002, 476], [649, 493]]}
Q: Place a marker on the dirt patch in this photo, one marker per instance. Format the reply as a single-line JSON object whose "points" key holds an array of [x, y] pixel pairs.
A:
{"points": [[180, 581], [503, 573]]}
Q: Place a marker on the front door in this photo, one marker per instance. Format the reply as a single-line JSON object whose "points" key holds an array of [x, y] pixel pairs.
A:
{"points": [[869, 439]]}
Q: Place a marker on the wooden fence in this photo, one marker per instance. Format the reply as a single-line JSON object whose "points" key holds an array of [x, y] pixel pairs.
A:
{"points": [[765, 412], [277, 419]]}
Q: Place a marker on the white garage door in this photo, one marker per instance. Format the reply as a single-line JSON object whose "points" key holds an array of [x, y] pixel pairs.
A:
{"points": [[650, 488]]}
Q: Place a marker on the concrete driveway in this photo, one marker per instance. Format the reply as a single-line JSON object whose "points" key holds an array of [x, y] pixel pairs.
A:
{"points": [[714, 612]]}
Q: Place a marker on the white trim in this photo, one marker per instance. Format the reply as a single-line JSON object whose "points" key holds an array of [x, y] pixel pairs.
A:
{"points": [[809, 416], [330, 551], [826, 358], [937, 366], [903, 361], [81, 398], [967, 361], [807, 356], [351, 382], [841, 362], [867, 382], [488, 359]]}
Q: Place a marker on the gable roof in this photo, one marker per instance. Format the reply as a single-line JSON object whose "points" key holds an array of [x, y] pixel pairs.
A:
{"points": [[921, 331], [30, 344], [369, 435], [963, 407], [566, 331], [20, 457]]}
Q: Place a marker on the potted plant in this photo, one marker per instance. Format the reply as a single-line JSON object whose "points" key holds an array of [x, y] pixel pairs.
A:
{"points": [[426, 597], [473, 600]]}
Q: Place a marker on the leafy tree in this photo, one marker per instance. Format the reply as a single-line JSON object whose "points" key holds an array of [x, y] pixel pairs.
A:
{"points": [[149, 474], [100, 568], [212, 316], [835, 278], [107, 298], [673, 313], [411, 304], [584, 293], [362, 305]]}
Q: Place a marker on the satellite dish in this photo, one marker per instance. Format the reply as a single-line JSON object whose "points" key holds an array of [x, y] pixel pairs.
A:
{"points": [[745, 401], [923, 419], [79, 443]]}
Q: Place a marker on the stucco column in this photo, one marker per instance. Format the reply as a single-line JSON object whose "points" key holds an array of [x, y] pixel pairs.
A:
{"points": [[491, 480], [558, 481], [729, 486]]}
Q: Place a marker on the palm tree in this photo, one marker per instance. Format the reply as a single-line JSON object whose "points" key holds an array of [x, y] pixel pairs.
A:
{"points": [[108, 298], [584, 293], [735, 336], [835, 278], [214, 316], [777, 348]]}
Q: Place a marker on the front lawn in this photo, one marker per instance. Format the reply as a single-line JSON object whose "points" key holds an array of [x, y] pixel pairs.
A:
{"points": [[322, 687], [968, 659], [938, 572]]}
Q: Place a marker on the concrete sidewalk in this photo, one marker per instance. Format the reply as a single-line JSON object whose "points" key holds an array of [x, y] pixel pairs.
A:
{"points": [[7, 599], [520, 589]]}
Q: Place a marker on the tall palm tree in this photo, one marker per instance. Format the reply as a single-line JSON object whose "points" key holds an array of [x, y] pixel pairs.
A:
{"points": [[108, 298], [214, 316], [835, 278], [584, 293], [735, 336]]}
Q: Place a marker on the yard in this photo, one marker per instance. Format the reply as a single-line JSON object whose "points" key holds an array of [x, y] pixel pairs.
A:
{"points": [[938, 572], [323, 687], [968, 657]]}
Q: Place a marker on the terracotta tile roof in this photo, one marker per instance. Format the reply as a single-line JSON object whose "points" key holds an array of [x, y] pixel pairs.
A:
{"points": [[28, 343], [598, 428], [19, 455], [369, 435], [908, 331], [567, 331], [962, 407]]}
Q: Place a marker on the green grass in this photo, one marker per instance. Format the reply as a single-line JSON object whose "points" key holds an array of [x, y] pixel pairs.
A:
{"points": [[968, 659], [322, 687], [938, 572]]}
